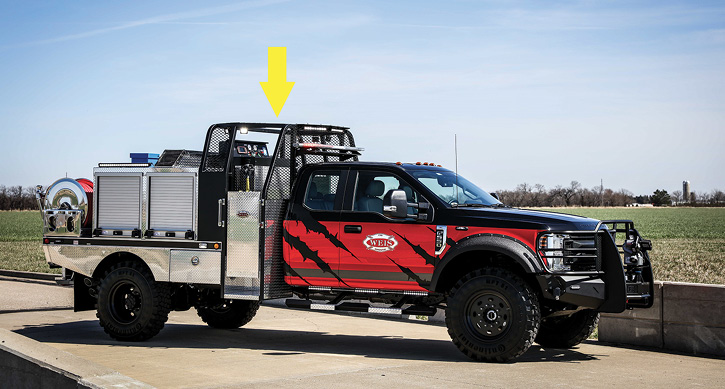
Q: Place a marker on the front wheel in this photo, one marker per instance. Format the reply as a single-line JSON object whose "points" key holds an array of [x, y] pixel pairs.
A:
{"points": [[567, 331], [228, 313], [492, 315], [131, 305]]}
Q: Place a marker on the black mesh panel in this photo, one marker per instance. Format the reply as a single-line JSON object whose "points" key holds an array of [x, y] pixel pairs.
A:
{"points": [[278, 190], [217, 152]]}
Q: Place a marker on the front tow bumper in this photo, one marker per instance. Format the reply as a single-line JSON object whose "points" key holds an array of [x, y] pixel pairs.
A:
{"points": [[614, 287]]}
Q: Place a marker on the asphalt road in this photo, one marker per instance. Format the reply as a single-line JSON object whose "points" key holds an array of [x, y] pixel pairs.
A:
{"points": [[288, 348]]}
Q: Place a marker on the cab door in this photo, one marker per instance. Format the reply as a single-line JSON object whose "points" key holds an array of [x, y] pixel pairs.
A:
{"points": [[380, 252], [311, 249]]}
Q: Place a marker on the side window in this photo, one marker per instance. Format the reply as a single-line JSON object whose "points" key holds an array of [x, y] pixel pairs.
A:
{"points": [[371, 189], [321, 190]]}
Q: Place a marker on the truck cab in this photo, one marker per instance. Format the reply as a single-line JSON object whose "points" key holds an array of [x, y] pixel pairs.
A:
{"points": [[310, 223]]}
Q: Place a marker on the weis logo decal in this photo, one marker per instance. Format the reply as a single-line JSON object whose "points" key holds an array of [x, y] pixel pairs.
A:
{"points": [[380, 242]]}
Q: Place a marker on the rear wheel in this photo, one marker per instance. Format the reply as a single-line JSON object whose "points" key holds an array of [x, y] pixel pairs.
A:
{"points": [[228, 313], [131, 305], [567, 331], [492, 315]]}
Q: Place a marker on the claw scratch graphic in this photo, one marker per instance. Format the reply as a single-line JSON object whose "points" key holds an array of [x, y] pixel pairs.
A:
{"points": [[429, 259], [313, 225], [307, 253], [409, 273], [293, 273]]}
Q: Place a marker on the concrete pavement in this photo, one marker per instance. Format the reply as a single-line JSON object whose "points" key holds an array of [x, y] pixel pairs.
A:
{"points": [[20, 295], [287, 348]]}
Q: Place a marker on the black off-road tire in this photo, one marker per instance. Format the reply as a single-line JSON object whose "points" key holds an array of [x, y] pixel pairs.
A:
{"points": [[567, 331], [131, 305], [229, 313], [492, 315]]}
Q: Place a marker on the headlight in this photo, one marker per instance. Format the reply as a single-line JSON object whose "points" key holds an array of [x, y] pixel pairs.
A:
{"points": [[551, 251]]}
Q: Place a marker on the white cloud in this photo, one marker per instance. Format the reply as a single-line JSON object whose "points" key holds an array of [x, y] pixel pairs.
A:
{"points": [[161, 19]]}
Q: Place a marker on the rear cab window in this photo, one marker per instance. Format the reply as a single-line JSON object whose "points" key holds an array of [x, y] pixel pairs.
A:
{"points": [[322, 190]]}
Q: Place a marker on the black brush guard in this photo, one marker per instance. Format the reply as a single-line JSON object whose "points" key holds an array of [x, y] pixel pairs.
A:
{"points": [[611, 268]]}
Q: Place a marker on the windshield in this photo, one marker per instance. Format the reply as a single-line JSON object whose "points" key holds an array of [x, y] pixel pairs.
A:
{"points": [[455, 191]]}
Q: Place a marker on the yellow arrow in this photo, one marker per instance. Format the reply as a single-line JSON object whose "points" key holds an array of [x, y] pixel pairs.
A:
{"points": [[277, 88]]}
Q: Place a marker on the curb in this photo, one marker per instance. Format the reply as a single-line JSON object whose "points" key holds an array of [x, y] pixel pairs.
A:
{"points": [[685, 317], [27, 363], [29, 275]]}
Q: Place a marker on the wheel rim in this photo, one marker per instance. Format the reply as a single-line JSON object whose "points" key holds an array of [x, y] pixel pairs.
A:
{"points": [[488, 315], [224, 307], [126, 302]]}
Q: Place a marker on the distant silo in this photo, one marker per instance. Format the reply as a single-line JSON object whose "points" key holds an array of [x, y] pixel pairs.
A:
{"points": [[686, 191]]}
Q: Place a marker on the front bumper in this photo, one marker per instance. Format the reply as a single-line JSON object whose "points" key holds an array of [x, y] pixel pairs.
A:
{"points": [[613, 287]]}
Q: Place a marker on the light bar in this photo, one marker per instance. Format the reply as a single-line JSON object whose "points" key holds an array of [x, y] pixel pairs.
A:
{"points": [[121, 164], [313, 128], [324, 146]]}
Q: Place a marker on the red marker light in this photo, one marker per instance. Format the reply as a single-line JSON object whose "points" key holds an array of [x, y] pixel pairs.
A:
{"points": [[46, 240]]}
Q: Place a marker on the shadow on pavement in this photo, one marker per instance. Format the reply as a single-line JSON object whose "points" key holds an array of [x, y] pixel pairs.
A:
{"points": [[282, 343], [655, 350], [41, 309]]}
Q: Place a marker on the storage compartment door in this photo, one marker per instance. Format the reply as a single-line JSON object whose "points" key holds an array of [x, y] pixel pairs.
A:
{"points": [[119, 202], [171, 202], [242, 263]]}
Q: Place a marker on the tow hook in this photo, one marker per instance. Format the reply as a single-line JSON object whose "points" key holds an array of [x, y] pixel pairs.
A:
{"points": [[557, 293]]}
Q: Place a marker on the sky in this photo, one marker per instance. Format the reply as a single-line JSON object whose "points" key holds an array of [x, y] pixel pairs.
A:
{"points": [[628, 92]]}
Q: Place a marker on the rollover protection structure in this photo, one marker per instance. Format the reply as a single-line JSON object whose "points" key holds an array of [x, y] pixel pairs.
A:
{"points": [[227, 227]]}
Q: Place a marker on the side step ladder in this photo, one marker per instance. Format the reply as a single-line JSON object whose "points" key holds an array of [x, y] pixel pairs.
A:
{"points": [[360, 307]]}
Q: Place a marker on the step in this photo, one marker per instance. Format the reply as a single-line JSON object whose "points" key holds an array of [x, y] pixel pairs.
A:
{"points": [[359, 307]]}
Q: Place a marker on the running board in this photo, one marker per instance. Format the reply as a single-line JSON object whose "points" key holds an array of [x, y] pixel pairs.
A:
{"points": [[360, 307]]}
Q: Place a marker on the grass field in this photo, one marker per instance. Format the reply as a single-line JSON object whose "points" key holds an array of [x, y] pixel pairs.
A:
{"points": [[689, 243], [20, 248]]}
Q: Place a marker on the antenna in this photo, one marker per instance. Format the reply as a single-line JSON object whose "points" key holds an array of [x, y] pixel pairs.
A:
{"points": [[455, 147]]}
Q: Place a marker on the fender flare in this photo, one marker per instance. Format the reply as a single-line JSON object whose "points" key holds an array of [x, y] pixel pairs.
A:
{"points": [[503, 244]]}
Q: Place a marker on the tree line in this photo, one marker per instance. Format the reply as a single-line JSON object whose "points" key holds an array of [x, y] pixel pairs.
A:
{"points": [[17, 198], [524, 195], [574, 195]]}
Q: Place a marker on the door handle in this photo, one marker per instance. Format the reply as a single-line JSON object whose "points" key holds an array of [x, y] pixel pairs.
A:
{"points": [[220, 221], [353, 229]]}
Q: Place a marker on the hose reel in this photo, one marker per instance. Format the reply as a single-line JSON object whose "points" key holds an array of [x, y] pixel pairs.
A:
{"points": [[66, 206]]}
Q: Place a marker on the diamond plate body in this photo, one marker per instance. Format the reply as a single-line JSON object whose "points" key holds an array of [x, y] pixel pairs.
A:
{"points": [[195, 266], [242, 278], [85, 259]]}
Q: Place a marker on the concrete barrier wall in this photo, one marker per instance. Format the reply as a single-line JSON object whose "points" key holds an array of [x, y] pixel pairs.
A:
{"points": [[685, 317], [26, 363]]}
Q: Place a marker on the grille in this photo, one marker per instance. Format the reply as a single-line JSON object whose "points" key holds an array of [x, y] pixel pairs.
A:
{"points": [[581, 253]]}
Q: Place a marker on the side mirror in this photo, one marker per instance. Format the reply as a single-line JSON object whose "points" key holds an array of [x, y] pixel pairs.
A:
{"points": [[395, 204], [494, 195]]}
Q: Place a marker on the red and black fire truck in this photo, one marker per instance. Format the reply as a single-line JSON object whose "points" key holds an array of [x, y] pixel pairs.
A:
{"points": [[226, 228]]}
